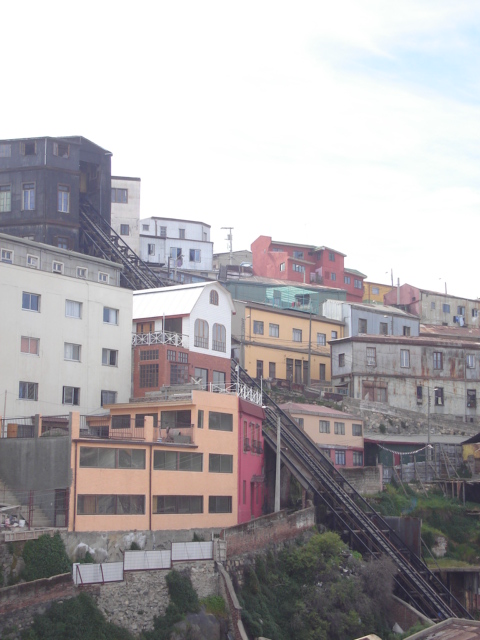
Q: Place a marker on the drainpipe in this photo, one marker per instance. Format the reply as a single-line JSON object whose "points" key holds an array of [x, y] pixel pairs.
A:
{"points": [[150, 491], [75, 490]]}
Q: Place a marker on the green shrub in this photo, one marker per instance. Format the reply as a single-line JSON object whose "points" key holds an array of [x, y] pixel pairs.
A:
{"points": [[382, 428], [135, 547], [215, 605], [182, 593], [45, 557]]}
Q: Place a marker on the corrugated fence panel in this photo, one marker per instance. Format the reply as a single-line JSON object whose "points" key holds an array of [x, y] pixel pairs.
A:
{"points": [[95, 573], [192, 551], [143, 560]]}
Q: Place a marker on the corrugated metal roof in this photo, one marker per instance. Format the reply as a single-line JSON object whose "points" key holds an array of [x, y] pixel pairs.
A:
{"points": [[413, 439]]}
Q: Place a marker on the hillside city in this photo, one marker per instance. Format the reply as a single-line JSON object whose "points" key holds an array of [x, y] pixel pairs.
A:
{"points": [[140, 362]]}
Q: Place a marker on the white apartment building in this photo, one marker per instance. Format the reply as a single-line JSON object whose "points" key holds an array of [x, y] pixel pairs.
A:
{"points": [[184, 244], [66, 331], [126, 210]]}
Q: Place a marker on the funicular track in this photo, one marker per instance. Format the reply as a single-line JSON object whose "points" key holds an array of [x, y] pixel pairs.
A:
{"points": [[102, 241], [351, 515]]}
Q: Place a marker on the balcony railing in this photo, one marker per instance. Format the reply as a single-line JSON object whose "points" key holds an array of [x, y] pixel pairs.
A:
{"points": [[160, 337]]}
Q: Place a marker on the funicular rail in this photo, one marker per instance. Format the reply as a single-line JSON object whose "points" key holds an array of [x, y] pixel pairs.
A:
{"points": [[352, 515]]}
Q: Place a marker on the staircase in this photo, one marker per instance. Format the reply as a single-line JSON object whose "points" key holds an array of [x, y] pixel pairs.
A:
{"points": [[101, 241], [21, 498], [349, 513]]}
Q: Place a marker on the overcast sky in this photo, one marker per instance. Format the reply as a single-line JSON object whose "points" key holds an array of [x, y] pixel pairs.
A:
{"points": [[352, 124]]}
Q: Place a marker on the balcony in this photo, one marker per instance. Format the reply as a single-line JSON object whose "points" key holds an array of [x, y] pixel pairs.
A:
{"points": [[160, 337]]}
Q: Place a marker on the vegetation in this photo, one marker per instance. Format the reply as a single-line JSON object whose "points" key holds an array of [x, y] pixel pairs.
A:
{"points": [[45, 557], [215, 605], [74, 619]]}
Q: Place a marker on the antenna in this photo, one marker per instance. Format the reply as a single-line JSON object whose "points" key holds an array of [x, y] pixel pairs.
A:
{"points": [[229, 239]]}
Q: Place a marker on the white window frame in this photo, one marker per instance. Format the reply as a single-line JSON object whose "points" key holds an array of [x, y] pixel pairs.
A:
{"points": [[31, 389], [405, 358], [82, 272], [71, 396], [470, 361], [31, 341], [74, 306], [274, 330], [72, 352], [371, 356], [5, 198], [124, 229], [63, 198], [105, 399], [297, 335], [107, 357], [109, 313], [57, 267], [29, 308], [103, 277], [28, 196], [7, 256], [151, 249], [32, 261]]}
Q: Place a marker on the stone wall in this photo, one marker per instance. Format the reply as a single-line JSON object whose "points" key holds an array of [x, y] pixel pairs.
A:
{"points": [[267, 530], [366, 480]]}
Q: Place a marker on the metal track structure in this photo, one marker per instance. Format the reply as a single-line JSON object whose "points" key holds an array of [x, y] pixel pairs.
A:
{"points": [[101, 241], [351, 515]]}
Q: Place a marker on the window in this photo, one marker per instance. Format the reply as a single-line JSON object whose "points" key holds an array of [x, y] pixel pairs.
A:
{"points": [[474, 313], [194, 255], [289, 368], [297, 335], [71, 395], [5, 198], [334, 335], [219, 338], [124, 229], [258, 327], [322, 372], [28, 390], [220, 421], [432, 306], [32, 261], [28, 196], [177, 504], [461, 311], [7, 256], [110, 357], [437, 360], [151, 249], [446, 308], [163, 232], [171, 355], [145, 227], [358, 458], [419, 394], [120, 195], [298, 254], [357, 284], [341, 359], [471, 398], [61, 149], [271, 370], [28, 148], [110, 316], [404, 358], [112, 458], [282, 266], [406, 330], [339, 428], [362, 325], [121, 421], [383, 328], [356, 429], [30, 301], [346, 279], [220, 504], [470, 361], [149, 354], [148, 376], [63, 197], [108, 397], [110, 505], [179, 374], [259, 369], [30, 346], [182, 356], [5, 150], [220, 463], [82, 272], [331, 256], [333, 276], [62, 242], [439, 396], [181, 234], [201, 333], [140, 419], [324, 426], [340, 457], [321, 339], [57, 267], [177, 461], [214, 297], [273, 330], [103, 277], [200, 419], [298, 267], [71, 351], [375, 291], [73, 309]]}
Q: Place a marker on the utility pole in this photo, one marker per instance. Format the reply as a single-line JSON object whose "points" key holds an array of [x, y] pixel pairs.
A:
{"points": [[229, 239], [277, 468]]}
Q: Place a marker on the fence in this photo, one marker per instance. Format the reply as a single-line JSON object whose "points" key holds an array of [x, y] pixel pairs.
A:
{"points": [[97, 573], [39, 508], [25, 427]]}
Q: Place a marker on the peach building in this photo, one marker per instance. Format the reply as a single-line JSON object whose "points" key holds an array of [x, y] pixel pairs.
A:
{"points": [[167, 463]]}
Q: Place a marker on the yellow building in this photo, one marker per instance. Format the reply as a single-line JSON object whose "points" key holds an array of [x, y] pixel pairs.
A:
{"points": [[374, 291], [278, 343]]}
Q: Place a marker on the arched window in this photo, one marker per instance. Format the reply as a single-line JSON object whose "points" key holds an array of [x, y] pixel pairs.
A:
{"points": [[219, 338], [214, 297], [201, 333]]}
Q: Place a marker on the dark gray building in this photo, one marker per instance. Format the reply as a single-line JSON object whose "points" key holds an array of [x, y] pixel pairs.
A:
{"points": [[42, 182]]}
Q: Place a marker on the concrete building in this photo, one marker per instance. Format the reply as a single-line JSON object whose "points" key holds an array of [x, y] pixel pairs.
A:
{"points": [[422, 374], [176, 244], [307, 264], [283, 344], [42, 181], [66, 324], [371, 319], [435, 308], [337, 434], [181, 334], [125, 218]]}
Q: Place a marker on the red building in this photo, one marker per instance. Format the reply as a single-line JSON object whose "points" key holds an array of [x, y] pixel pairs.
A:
{"points": [[306, 264], [251, 478]]}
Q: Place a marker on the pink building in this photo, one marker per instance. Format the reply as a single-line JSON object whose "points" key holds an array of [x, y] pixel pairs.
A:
{"points": [[251, 478], [306, 264]]}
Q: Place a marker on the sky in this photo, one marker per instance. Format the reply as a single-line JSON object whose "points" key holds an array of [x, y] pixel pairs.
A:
{"points": [[353, 124]]}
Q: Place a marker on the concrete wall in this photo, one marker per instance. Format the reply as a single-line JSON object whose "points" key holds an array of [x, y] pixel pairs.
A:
{"points": [[127, 212], [366, 480]]}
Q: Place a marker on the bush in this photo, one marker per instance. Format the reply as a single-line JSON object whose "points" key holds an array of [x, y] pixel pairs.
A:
{"points": [[215, 605], [45, 557]]}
